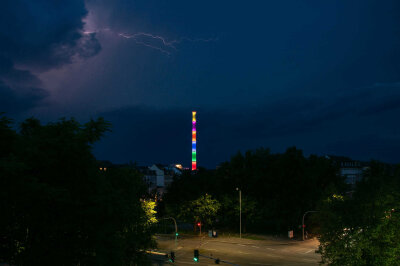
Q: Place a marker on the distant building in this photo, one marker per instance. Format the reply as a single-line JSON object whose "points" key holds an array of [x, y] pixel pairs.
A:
{"points": [[160, 175], [351, 170], [104, 165], [157, 177], [150, 177], [163, 175]]}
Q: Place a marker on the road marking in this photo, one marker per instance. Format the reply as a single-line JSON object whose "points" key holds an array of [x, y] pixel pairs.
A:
{"points": [[271, 248], [204, 243], [256, 263], [244, 253], [155, 252], [255, 247], [213, 249], [241, 245], [308, 251]]}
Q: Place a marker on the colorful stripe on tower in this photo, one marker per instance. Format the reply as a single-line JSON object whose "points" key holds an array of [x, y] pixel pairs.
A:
{"points": [[194, 141]]}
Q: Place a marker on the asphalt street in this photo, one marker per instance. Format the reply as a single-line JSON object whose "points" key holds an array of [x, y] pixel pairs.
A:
{"points": [[236, 251]]}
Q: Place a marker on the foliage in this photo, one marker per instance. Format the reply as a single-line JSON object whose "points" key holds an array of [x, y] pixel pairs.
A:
{"points": [[204, 210], [57, 207], [230, 209], [276, 189], [149, 207], [363, 229]]}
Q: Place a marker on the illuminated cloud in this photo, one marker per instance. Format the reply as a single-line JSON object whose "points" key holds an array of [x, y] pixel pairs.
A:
{"points": [[35, 37]]}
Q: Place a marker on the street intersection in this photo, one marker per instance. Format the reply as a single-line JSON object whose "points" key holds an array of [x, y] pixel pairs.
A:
{"points": [[236, 251]]}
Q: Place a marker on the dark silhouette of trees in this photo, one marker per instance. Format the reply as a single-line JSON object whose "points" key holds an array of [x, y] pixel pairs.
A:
{"points": [[276, 188], [363, 228], [203, 209], [57, 207]]}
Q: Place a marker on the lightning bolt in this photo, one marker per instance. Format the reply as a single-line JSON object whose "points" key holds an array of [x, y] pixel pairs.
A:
{"points": [[156, 42], [162, 48], [165, 46], [156, 37]]}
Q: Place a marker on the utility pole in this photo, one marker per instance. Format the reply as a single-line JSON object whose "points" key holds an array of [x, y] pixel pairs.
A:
{"points": [[302, 225], [240, 212], [176, 229]]}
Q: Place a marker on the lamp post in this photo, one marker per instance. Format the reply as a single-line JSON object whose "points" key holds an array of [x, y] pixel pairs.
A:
{"points": [[176, 229], [240, 212], [302, 225]]}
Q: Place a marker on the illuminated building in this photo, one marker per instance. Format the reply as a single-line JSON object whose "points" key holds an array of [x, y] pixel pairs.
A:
{"points": [[194, 141], [353, 171]]}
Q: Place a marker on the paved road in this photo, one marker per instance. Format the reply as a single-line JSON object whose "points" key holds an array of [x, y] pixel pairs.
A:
{"points": [[241, 251]]}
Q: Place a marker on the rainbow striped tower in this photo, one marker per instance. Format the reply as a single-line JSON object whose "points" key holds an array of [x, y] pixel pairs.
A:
{"points": [[194, 141]]}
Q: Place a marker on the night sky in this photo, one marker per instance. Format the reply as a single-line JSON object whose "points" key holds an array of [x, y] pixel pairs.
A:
{"points": [[323, 76]]}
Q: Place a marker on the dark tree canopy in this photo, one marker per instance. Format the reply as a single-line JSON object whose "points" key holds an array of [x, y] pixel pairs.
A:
{"points": [[363, 228], [276, 188], [57, 207]]}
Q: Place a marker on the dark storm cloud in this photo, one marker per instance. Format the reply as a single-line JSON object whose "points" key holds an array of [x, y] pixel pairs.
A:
{"points": [[146, 135], [43, 33], [368, 147], [383, 106], [387, 99], [285, 73], [292, 116], [36, 36], [151, 135], [15, 102], [88, 46], [19, 89], [16, 77]]}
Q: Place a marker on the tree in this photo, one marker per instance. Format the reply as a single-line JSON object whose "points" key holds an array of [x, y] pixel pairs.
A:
{"points": [[57, 207], [277, 188], [230, 210], [363, 229], [149, 207], [203, 209]]}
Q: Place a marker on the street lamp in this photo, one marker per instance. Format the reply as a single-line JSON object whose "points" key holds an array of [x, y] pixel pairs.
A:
{"points": [[176, 229], [240, 212], [302, 225], [199, 225]]}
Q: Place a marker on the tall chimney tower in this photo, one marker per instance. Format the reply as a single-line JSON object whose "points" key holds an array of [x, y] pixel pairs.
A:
{"points": [[194, 141]]}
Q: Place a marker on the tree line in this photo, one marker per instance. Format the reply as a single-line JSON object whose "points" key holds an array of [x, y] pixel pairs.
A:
{"points": [[58, 208], [276, 189], [355, 225], [363, 227]]}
